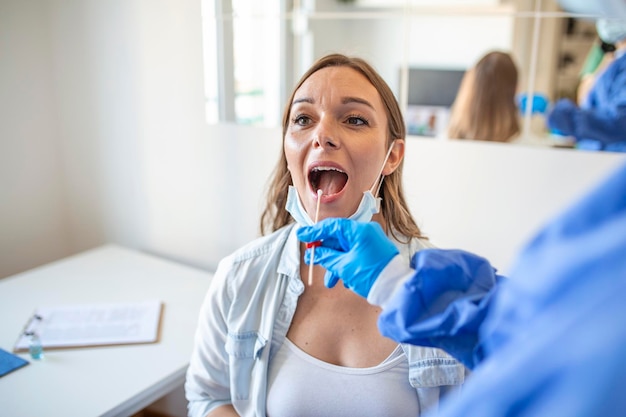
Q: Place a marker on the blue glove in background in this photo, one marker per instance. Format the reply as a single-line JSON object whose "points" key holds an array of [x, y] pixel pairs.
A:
{"points": [[538, 102], [561, 118], [352, 251]]}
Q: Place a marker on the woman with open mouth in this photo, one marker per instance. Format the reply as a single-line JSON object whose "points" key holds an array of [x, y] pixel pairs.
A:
{"points": [[273, 339]]}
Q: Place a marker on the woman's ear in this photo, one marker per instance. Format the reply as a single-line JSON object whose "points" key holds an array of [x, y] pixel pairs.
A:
{"points": [[395, 157]]}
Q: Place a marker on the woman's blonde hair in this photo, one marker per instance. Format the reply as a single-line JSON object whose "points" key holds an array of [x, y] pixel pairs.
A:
{"points": [[393, 207], [485, 107]]}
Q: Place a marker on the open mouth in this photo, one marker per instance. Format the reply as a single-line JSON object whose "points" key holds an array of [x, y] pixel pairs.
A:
{"points": [[328, 179]]}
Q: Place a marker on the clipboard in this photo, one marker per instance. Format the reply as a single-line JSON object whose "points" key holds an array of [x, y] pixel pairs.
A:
{"points": [[83, 325]]}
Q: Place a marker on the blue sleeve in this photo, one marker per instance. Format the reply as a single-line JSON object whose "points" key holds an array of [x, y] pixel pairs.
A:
{"points": [[555, 335], [443, 304], [601, 126], [603, 116]]}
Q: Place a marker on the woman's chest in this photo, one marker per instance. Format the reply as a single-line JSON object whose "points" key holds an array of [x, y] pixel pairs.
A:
{"points": [[339, 327]]}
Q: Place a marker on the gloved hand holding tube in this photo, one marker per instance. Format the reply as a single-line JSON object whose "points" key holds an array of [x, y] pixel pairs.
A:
{"points": [[352, 251]]}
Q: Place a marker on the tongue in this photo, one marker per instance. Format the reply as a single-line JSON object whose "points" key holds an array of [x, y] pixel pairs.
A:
{"points": [[331, 182]]}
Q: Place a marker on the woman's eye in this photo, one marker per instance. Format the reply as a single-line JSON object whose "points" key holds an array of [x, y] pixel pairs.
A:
{"points": [[301, 120], [357, 120]]}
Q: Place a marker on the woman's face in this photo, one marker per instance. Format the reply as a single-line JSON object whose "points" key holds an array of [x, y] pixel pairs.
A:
{"points": [[336, 140]]}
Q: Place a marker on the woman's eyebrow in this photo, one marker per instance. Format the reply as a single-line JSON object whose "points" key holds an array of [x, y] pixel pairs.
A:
{"points": [[347, 100], [303, 100]]}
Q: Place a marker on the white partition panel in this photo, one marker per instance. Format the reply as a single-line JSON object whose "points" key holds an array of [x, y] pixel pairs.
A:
{"points": [[491, 198]]}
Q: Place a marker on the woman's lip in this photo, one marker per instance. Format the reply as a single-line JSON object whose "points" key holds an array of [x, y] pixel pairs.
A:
{"points": [[332, 197]]}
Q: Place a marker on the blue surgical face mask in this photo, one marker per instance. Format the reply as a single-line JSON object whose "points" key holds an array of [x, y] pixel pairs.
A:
{"points": [[616, 8], [368, 206]]}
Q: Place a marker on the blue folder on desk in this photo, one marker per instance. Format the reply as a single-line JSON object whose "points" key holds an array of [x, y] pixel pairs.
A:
{"points": [[10, 362]]}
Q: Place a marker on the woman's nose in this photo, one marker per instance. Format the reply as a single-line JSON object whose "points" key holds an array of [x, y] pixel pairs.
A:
{"points": [[326, 135]]}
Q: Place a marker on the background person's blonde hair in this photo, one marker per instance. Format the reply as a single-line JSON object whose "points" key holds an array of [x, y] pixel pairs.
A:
{"points": [[485, 108], [394, 207]]}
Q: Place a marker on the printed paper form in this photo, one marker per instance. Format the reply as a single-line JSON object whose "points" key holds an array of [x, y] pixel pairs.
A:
{"points": [[94, 324]]}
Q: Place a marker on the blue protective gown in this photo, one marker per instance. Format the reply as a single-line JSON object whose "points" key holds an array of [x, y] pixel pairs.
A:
{"points": [[604, 110], [600, 122], [549, 341]]}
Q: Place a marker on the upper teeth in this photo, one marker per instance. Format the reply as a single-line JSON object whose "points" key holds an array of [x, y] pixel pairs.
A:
{"points": [[327, 169]]}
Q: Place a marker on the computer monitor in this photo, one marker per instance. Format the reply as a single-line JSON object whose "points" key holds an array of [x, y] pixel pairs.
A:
{"points": [[433, 87], [431, 94]]}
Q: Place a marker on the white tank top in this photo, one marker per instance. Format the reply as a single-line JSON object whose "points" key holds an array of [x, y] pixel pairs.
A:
{"points": [[300, 385]]}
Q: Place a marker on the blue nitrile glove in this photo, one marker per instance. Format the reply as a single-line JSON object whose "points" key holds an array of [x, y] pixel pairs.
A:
{"points": [[539, 103], [562, 117], [352, 251], [443, 304]]}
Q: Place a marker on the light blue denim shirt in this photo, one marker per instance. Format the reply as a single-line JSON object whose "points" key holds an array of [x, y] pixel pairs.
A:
{"points": [[244, 321]]}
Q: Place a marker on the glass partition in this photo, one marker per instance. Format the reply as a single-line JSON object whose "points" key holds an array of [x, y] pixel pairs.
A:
{"points": [[255, 51]]}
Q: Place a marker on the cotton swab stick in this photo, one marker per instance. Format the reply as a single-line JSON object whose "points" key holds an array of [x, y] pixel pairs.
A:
{"points": [[317, 215]]}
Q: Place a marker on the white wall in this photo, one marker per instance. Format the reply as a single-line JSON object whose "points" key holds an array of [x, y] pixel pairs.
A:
{"points": [[131, 107], [34, 226], [491, 198], [114, 90]]}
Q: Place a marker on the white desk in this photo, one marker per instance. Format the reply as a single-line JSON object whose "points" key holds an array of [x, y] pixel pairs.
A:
{"points": [[100, 381]]}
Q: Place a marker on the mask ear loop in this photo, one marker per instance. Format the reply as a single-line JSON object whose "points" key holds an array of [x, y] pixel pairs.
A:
{"points": [[380, 173]]}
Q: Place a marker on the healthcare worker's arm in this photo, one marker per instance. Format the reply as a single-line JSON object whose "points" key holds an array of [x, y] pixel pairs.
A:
{"points": [[603, 115], [601, 125], [597, 60], [555, 333], [439, 300]]}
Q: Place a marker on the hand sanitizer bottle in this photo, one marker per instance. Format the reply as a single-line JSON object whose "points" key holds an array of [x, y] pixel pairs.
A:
{"points": [[34, 346]]}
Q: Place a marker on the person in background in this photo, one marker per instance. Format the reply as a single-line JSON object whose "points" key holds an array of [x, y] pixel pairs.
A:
{"points": [[600, 121], [485, 106], [600, 55], [268, 341], [548, 341]]}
